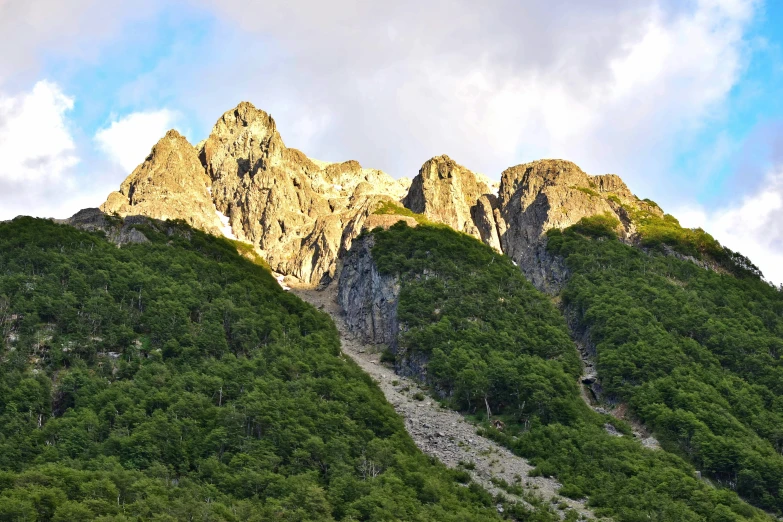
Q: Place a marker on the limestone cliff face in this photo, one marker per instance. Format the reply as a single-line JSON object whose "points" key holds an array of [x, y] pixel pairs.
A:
{"points": [[169, 184], [446, 192]]}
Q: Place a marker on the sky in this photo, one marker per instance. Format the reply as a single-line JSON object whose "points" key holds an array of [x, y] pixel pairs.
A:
{"points": [[682, 98]]}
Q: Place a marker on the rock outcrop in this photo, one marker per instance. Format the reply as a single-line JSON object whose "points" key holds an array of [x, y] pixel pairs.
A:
{"points": [[117, 230], [302, 215], [169, 184], [446, 192], [368, 298], [536, 197], [299, 214]]}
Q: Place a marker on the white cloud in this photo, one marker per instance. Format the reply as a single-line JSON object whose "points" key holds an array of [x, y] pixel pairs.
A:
{"points": [[36, 31], [612, 85], [35, 143], [38, 154], [128, 141], [752, 226]]}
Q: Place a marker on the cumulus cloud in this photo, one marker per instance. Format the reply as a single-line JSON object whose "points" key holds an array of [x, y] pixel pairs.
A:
{"points": [[752, 226], [128, 140], [35, 143], [612, 85], [39, 155]]}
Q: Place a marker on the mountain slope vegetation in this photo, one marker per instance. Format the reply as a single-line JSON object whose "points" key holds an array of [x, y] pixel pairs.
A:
{"points": [[498, 347], [695, 353], [175, 380]]}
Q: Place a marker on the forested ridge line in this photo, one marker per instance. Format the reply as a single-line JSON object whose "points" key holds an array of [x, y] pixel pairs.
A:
{"points": [[695, 353], [495, 345], [175, 380]]}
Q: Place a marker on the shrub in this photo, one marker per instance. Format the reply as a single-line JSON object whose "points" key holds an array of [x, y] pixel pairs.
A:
{"points": [[387, 356], [392, 208], [601, 225], [588, 191]]}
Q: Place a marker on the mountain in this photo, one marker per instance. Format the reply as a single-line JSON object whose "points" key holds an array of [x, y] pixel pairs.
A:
{"points": [[173, 379], [302, 215], [636, 361], [170, 184], [299, 214]]}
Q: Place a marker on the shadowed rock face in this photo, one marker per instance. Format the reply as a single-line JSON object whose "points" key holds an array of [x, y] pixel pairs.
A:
{"points": [[169, 184], [538, 196]]}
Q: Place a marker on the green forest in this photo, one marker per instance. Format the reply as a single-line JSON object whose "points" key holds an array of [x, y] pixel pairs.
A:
{"points": [[496, 346], [175, 380], [695, 353]]}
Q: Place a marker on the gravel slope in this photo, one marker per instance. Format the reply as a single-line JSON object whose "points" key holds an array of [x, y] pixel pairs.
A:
{"points": [[440, 432]]}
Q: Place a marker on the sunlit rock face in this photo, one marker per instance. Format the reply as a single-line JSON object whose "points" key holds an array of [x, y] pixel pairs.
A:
{"points": [[170, 184], [302, 214], [299, 213]]}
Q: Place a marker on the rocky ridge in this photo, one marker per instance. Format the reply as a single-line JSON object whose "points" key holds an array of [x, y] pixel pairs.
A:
{"points": [[302, 215], [170, 184], [538, 196], [446, 192], [298, 213]]}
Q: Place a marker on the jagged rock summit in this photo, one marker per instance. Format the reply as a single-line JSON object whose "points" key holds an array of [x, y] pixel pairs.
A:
{"points": [[170, 184], [538, 196], [243, 181], [302, 214]]}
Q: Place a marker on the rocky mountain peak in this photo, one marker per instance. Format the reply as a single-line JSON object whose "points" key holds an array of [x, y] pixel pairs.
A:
{"points": [[445, 192], [243, 140], [303, 214], [170, 184], [244, 182], [551, 193]]}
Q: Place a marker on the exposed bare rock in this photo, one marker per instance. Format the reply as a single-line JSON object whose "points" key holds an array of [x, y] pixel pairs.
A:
{"points": [[386, 220], [368, 298], [120, 231], [535, 197], [613, 184], [483, 214], [445, 192], [343, 180], [302, 214], [299, 213], [169, 184]]}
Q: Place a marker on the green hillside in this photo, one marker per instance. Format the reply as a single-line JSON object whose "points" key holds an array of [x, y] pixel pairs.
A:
{"points": [[696, 354], [495, 342], [175, 380]]}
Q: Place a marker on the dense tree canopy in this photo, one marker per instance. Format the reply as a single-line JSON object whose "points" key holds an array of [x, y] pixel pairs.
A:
{"points": [[493, 341], [175, 380], [696, 353]]}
